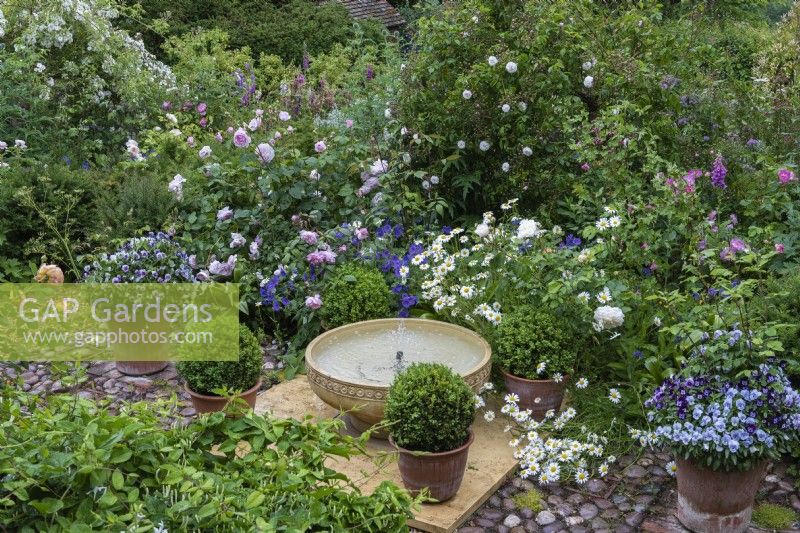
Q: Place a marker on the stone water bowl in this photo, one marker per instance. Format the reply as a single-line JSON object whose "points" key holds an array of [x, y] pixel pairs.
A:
{"points": [[351, 367]]}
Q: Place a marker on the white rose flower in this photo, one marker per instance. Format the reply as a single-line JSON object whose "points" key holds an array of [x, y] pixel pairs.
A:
{"points": [[387, 113], [461, 145], [529, 228], [492, 61], [511, 67], [527, 152], [482, 230], [205, 151], [588, 82], [484, 146], [607, 317], [506, 108], [467, 94], [506, 167]]}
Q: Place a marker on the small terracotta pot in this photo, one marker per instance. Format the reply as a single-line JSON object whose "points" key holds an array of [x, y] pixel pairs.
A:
{"points": [[140, 368], [716, 502], [441, 473], [204, 403], [538, 395]]}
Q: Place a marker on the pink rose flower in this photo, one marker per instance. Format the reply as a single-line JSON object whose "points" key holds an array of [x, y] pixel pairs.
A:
{"points": [[320, 147], [362, 234], [779, 247], [349, 122], [785, 176]]}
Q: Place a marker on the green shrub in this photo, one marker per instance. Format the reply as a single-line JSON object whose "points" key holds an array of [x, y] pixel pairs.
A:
{"points": [[773, 516], [69, 464], [287, 28], [782, 305], [430, 408], [141, 202], [527, 337], [206, 376], [49, 214], [355, 293]]}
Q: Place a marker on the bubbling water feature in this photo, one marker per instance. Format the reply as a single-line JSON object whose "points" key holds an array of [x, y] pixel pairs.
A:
{"points": [[351, 368], [373, 355]]}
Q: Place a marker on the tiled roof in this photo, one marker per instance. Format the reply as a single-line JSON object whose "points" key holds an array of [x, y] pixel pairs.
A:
{"points": [[374, 9]]}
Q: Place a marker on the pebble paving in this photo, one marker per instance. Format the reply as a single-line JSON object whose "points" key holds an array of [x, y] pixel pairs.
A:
{"points": [[638, 494]]}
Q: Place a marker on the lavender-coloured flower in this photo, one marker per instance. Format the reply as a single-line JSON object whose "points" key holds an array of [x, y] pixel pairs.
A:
{"points": [[226, 213], [314, 302], [265, 153], [308, 237], [241, 139], [225, 269]]}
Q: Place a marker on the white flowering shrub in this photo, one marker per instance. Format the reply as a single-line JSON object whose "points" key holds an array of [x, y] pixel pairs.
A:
{"points": [[531, 98], [472, 276], [72, 75]]}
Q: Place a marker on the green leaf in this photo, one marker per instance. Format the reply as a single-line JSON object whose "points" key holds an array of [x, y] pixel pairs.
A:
{"points": [[47, 505], [254, 500], [117, 480]]}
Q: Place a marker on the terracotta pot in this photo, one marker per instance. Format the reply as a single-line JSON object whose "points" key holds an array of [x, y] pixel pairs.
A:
{"points": [[716, 502], [441, 473], [204, 403], [140, 368], [538, 395]]}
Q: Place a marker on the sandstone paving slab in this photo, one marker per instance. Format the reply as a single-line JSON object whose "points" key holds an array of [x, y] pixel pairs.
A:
{"points": [[490, 460]]}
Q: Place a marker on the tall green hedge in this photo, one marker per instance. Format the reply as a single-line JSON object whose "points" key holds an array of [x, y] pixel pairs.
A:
{"points": [[283, 28]]}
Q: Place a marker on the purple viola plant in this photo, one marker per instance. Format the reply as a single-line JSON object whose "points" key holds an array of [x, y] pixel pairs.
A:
{"points": [[154, 258], [727, 423]]}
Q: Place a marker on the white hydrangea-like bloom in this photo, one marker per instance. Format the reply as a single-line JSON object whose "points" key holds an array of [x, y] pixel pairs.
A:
{"points": [[607, 317], [506, 108], [529, 229], [588, 82], [482, 230]]}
